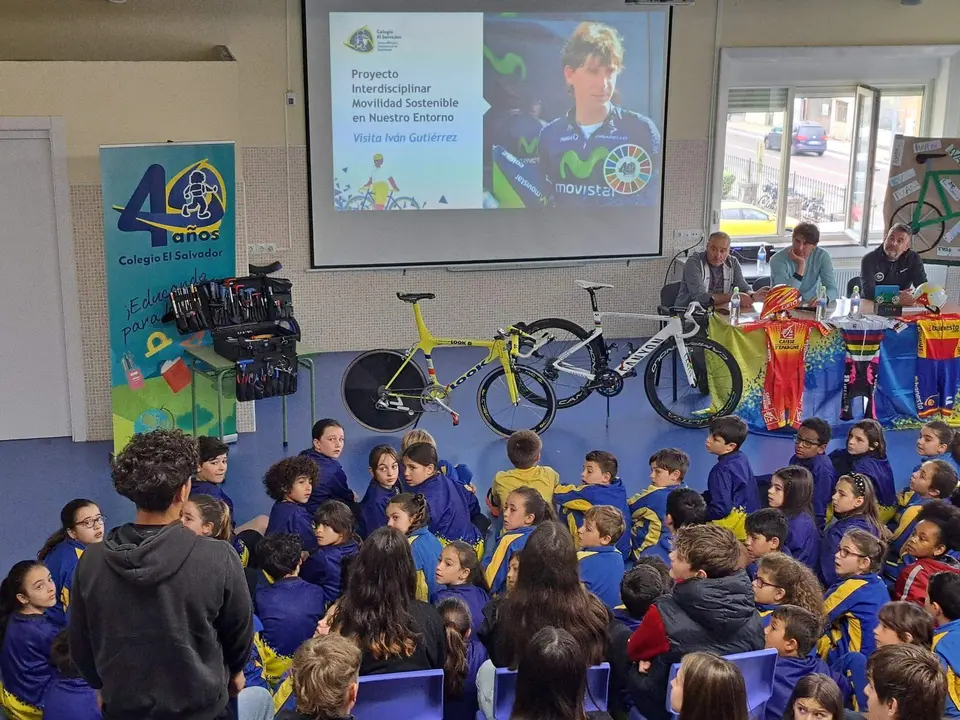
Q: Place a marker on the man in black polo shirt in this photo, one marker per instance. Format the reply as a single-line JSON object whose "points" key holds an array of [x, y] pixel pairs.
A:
{"points": [[893, 263]]}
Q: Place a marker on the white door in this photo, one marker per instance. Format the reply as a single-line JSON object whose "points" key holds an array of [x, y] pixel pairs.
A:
{"points": [[34, 391]]}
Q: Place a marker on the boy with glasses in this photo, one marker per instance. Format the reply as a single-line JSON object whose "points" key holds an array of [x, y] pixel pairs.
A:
{"points": [[810, 447]]}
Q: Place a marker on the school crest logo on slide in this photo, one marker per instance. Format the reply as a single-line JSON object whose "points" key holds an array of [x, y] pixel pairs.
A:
{"points": [[360, 40], [627, 169]]}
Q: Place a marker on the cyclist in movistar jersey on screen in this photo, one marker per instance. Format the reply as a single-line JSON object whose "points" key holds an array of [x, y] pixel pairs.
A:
{"points": [[598, 154]]}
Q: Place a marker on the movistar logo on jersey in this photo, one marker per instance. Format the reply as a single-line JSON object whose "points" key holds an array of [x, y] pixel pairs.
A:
{"points": [[506, 65], [528, 147], [579, 167]]}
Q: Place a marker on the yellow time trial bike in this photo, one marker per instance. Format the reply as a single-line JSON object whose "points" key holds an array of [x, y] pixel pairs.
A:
{"points": [[386, 391]]}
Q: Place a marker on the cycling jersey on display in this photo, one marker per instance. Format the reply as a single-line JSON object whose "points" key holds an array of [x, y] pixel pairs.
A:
{"points": [[938, 365], [616, 165], [862, 337], [782, 402]]}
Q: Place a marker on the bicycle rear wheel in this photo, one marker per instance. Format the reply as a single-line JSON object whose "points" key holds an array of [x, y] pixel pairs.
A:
{"points": [[365, 396], [717, 390], [503, 416], [558, 336]]}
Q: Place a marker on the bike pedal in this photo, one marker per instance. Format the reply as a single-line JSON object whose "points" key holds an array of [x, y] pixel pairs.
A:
{"points": [[456, 418]]}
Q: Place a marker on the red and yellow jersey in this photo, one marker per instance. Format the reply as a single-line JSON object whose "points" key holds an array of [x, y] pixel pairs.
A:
{"points": [[938, 338], [787, 339]]}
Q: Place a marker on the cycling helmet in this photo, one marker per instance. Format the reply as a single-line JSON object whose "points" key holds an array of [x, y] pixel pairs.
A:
{"points": [[780, 299], [931, 296]]}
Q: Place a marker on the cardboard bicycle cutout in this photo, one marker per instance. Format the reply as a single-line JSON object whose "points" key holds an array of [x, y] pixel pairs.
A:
{"points": [[924, 193]]}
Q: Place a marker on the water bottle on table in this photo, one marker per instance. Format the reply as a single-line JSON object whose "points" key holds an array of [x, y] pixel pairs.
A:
{"points": [[821, 303], [735, 306], [762, 261], [855, 301]]}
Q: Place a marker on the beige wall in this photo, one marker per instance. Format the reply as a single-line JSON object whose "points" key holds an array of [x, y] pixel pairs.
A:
{"points": [[357, 309]]}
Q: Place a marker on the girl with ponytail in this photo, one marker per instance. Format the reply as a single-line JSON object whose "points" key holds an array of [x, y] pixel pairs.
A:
{"points": [[460, 575], [81, 524], [465, 655], [408, 513], [522, 512], [26, 636]]}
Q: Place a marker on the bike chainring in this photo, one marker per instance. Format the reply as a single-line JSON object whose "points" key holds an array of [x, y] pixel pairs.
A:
{"points": [[609, 383], [429, 397]]}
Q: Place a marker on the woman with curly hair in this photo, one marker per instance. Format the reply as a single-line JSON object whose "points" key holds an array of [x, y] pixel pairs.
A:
{"points": [[379, 610]]}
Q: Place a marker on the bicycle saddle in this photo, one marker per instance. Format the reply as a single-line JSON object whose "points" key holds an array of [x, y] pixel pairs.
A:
{"points": [[588, 285], [415, 297], [923, 157]]}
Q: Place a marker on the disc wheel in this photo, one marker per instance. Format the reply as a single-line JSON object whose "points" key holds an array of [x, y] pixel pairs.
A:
{"points": [[719, 383], [364, 385], [505, 417], [927, 237], [560, 335]]}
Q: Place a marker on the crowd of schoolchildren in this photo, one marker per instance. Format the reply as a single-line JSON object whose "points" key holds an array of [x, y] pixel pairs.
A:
{"points": [[855, 584]]}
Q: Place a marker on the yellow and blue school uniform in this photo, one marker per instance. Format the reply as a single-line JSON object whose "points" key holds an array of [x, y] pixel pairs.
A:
{"points": [[649, 534], [853, 668], [732, 493], [253, 671], [831, 541], [214, 490], [765, 612], [450, 512], [372, 510], [880, 473], [803, 539], [283, 698], [62, 562], [542, 478], [25, 665], [824, 479], [291, 517], [242, 550], [331, 481], [509, 545], [851, 607], [70, 699], [324, 567], [426, 549], [621, 613], [462, 475], [601, 570], [909, 505], [475, 598], [289, 610], [946, 646], [574, 500]]}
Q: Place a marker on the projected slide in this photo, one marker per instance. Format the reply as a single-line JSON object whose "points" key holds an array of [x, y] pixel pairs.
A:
{"points": [[436, 111]]}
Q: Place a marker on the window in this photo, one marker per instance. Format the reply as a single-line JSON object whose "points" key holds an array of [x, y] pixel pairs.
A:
{"points": [[842, 108]]}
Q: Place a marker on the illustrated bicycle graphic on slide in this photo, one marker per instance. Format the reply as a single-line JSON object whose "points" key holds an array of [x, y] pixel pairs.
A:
{"points": [[380, 192]]}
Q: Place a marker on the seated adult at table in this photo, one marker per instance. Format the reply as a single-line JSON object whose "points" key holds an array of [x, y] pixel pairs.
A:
{"points": [[712, 274], [893, 263], [804, 265]]}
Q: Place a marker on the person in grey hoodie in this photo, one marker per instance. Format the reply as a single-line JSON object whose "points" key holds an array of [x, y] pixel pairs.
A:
{"points": [[712, 274], [161, 621]]}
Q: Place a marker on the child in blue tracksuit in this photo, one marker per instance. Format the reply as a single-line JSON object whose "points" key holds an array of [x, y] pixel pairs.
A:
{"points": [[81, 523], [68, 696], [409, 514], [791, 492], [212, 471], [854, 507], [866, 453], [523, 511], [449, 511], [647, 580], [933, 480], [943, 603], [465, 655], [26, 635], [601, 564], [384, 486], [781, 580], [253, 671], [732, 492], [936, 442], [766, 531], [810, 447], [334, 524], [290, 482], [852, 604], [460, 575], [601, 486], [331, 480], [648, 509], [288, 606]]}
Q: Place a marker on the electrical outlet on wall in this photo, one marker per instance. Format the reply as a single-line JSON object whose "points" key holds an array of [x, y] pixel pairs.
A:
{"points": [[688, 236]]}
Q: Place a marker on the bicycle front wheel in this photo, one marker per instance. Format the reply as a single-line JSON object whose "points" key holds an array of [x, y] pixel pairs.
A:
{"points": [[559, 336], [718, 387], [929, 236], [367, 398], [505, 417]]}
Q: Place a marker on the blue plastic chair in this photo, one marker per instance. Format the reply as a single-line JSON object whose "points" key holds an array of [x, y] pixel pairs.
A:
{"points": [[410, 696], [758, 668], [505, 690]]}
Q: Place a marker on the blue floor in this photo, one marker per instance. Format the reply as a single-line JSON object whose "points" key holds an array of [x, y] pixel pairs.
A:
{"points": [[40, 476]]}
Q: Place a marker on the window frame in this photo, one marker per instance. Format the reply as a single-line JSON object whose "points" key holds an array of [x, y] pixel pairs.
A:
{"points": [[832, 71]]}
